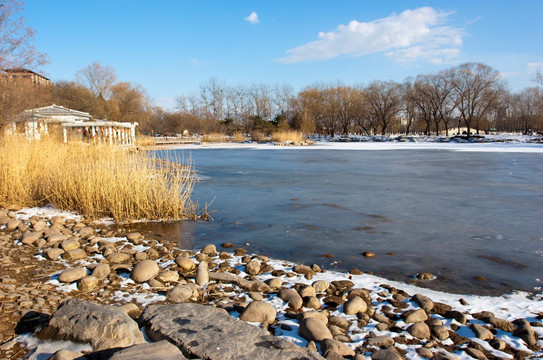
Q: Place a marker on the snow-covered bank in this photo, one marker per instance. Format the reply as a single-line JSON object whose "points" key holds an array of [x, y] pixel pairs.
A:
{"points": [[391, 300], [492, 143]]}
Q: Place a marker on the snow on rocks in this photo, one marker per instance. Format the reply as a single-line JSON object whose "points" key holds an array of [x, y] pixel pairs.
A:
{"points": [[340, 315]]}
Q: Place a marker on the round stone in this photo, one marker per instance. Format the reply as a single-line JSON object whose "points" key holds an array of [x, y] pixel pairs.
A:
{"points": [[144, 270], [101, 271], [354, 306], [73, 274], [87, 283], [312, 329], [184, 263], [259, 311]]}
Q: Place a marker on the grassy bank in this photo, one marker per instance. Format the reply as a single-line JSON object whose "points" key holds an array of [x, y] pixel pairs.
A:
{"points": [[94, 180]]}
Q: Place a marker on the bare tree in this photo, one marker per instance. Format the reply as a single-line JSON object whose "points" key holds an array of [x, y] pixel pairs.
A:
{"points": [[476, 88], [384, 98], [213, 94], [539, 78], [16, 49], [528, 107], [98, 79]]}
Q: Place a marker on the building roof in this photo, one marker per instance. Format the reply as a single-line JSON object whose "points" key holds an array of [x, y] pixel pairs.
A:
{"points": [[22, 70], [56, 112]]}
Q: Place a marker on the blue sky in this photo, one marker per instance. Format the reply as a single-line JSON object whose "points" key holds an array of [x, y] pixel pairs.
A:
{"points": [[171, 47]]}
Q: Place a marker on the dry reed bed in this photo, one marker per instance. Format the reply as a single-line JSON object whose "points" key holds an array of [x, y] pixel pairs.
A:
{"points": [[94, 180]]}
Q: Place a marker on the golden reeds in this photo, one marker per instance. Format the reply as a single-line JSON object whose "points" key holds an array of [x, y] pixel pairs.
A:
{"points": [[215, 138], [94, 180], [287, 135]]}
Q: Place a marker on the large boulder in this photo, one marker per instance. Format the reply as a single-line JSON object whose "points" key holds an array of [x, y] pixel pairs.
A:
{"points": [[206, 332], [102, 326], [161, 350]]}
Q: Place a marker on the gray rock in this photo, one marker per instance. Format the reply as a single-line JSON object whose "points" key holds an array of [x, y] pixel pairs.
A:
{"points": [[259, 311], [53, 253], [57, 220], [419, 330], [202, 273], [39, 225], [210, 333], [69, 244], [254, 285], [382, 340], [424, 302], [525, 332], [354, 306], [86, 231], [31, 237], [308, 291], [118, 258], [443, 356], [313, 329], [321, 285], [385, 355], [13, 224], [64, 354], [313, 314], [209, 250], [481, 332], [144, 270], [500, 324], [304, 269], [75, 254], [337, 346], [415, 316], [135, 238], [291, 297], [274, 283], [424, 352], [179, 294], [101, 271], [332, 354], [102, 326], [252, 267], [73, 274], [185, 263], [440, 332], [457, 315], [168, 276], [475, 353], [87, 283], [161, 350]]}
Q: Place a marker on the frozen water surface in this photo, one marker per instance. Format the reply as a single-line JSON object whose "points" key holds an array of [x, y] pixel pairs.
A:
{"points": [[456, 214]]}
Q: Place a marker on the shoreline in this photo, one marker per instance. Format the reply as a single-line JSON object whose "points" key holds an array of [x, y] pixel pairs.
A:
{"points": [[493, 143], [43, 291]]}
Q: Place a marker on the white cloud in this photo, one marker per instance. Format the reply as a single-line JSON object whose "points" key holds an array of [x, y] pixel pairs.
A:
{"points": [[413, 35], [253, 18]]}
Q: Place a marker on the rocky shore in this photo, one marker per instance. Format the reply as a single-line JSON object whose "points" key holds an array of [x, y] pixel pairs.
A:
{"points": [[74, 289]]}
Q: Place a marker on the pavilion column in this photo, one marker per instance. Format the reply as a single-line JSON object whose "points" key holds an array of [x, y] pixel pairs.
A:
{"points": [[65, 133]]}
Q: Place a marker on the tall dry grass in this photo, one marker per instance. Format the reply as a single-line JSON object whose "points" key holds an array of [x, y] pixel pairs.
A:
{"points": [[215, 138], [286, 135], [94, 180]]}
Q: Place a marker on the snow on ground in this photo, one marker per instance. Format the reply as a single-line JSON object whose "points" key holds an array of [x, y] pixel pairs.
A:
{"points": [[510, 306], [492, 143]]}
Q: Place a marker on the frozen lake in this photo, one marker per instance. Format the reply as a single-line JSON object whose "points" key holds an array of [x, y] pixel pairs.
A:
{"points": [[458, 215]]}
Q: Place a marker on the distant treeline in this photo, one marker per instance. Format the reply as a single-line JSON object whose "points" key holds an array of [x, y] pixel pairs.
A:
{"points": [[470, 95]]}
